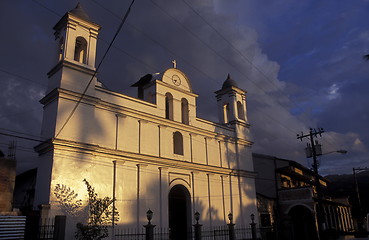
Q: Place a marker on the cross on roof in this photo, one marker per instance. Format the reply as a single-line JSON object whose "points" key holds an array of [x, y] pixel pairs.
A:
{"points": [[174, 63]]}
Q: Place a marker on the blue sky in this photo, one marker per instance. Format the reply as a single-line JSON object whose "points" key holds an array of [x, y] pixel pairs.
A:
{"points": [[300, 62]]}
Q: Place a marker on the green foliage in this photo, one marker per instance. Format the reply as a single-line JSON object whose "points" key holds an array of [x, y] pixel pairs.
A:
{"points": [[91, 232], [100, 211], [100, 215], [67, 199]]}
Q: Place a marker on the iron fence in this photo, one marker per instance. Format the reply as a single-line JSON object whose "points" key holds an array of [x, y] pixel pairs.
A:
{"points": [[46, 229], [140, 234], [207, 233]]}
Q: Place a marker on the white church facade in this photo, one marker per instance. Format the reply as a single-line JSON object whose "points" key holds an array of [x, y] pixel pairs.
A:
{"points": [[150, 152]]}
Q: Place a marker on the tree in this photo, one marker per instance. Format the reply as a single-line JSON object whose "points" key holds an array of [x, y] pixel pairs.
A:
{"points": [[100, 211], [67, 199]]}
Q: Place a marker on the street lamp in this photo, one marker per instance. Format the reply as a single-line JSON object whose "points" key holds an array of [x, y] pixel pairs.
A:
{"points": [[314, 149], [149, 227], [230, 217], [232, 235], [253, 227], [197, 226], [149, 214], [197, 217], [337, 151]]}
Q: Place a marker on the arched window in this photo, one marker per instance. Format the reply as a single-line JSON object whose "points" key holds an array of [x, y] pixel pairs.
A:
{"points": [[168, 106], [226, 113], [240, 111], [177, 143], [80, 52], [185, 113]]}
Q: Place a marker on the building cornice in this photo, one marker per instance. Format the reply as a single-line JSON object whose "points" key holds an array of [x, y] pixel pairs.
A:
{"points": [[104, 153], [72, 64]]}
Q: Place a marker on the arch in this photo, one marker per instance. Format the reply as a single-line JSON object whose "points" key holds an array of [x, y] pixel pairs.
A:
{"points": [[177, 143], [299, 204], [169, 106], [226, 113], [179, 200], [80, 51], [185, 111], [240, 111], [302, 223]]}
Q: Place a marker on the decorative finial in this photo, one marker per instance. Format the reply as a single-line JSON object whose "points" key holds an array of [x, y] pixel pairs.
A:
{"points": [[174, 63]]}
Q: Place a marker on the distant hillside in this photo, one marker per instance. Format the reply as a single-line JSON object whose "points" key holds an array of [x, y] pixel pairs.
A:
{"points": [[344, 186]]}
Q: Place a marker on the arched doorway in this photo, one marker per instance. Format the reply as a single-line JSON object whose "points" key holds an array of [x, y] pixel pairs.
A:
{"points": [[179, 212], [302, 223]]}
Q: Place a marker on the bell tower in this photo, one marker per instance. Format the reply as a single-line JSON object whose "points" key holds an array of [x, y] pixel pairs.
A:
{"points": [[231, 103], [72, 76], [76, 37]]}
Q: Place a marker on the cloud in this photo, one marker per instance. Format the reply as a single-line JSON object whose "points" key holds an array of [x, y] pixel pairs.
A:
{"points": [[290, 56]]}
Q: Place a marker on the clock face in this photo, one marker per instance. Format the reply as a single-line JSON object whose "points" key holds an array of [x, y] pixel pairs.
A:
{"points": [[176, 80]]}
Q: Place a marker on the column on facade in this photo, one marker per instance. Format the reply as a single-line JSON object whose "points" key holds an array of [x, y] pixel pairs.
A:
{"points": [[346, 219], [225, 197], [327, 217], [198, 192], [333, 217], [339, 219], [343, 219], [163, 196], [352, 227], [216, 199], [235, 197]]}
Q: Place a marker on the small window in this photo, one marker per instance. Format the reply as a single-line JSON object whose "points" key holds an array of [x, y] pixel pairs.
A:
{"points": [[240, 111], [184, 107], [168, 106], [80, 52], [178, 143]]}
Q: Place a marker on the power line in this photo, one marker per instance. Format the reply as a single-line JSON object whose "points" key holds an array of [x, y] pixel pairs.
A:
{"points": [[13, 131], [230, 44], [16, 136], [157, 42], [97, 69], [21, 77]]}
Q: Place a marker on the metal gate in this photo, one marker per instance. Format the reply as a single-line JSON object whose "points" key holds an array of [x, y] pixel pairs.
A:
{"points": [[12, 227]]}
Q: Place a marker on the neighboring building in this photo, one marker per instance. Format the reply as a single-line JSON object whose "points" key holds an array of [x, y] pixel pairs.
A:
{"points": [[24, 191], [151, 152], [7, 180], [287, 200]]}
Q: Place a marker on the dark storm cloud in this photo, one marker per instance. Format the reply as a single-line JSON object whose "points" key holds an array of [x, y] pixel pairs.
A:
{"points": [[317, 77]]}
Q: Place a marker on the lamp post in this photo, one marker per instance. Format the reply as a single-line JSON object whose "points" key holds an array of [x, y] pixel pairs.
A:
{"points": [[360, 220], [231, 227], [197, 226], [253, 227], [149, 227], [313, 150]]}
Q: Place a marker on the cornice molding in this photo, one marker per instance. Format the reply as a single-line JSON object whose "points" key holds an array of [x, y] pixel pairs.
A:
{"points": [[103, 153]]}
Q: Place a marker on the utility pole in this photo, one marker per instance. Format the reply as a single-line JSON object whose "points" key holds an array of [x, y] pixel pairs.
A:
{"points": [[360, 223], [314, 145]]}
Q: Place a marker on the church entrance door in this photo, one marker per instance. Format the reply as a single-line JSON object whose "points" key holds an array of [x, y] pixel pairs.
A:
{"points": [[179, 212]]}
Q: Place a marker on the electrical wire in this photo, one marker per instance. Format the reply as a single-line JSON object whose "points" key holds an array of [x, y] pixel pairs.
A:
{"points": [[287, 128], [97, 69]]}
